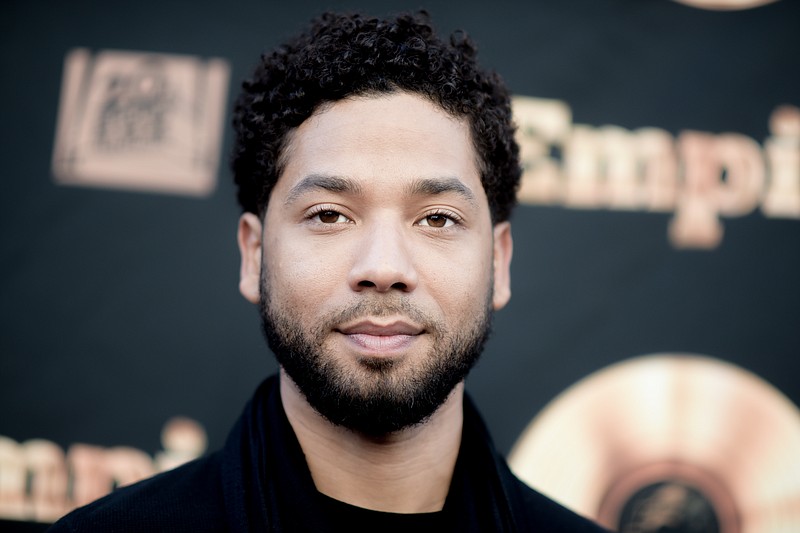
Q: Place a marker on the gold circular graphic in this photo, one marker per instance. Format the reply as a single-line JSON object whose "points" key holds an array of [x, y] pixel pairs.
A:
{"points": [[725, 5], [675, 441]]}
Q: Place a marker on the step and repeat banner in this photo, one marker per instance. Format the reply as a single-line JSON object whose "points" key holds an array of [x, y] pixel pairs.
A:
{"points": [[647, 370]]}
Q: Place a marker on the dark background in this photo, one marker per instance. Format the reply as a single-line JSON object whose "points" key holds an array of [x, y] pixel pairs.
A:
{"points": [[119, 310]]}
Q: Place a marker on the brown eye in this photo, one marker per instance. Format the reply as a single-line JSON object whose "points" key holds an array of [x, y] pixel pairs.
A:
{"points": [[437, 221], [330, 217]]}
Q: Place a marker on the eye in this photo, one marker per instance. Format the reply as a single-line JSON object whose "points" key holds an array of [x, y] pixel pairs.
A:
{"points": [[329, 216], [437, 220]]}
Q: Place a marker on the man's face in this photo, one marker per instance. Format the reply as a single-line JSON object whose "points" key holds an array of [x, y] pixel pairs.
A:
{"points": [[378, 266]]}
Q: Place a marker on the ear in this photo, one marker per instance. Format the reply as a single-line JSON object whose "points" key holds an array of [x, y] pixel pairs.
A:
{"points": [[249, 238], [503, 249]]}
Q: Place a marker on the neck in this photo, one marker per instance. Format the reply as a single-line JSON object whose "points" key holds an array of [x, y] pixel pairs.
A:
{"points": [[404, 472]]}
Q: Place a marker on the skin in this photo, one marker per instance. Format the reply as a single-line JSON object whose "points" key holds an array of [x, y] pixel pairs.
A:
{"points": [[380, 199]]}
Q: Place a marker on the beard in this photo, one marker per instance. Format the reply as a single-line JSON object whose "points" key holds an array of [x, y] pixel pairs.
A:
{"points": [[374, 396]]}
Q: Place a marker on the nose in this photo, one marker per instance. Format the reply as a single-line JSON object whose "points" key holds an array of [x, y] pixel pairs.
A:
{"points": [[383, 262]]}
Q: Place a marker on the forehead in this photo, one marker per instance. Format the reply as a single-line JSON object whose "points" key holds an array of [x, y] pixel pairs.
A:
{"points": [[383, 139]]}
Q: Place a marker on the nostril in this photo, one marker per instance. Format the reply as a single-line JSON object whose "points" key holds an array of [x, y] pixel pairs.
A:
{"points": [[371, 284]]}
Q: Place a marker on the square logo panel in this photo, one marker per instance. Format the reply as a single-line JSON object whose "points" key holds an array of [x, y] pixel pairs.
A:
{"points": [[140, 121]]}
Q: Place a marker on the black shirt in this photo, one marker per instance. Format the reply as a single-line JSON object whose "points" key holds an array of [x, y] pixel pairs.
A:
{"points": [[345, 518]]}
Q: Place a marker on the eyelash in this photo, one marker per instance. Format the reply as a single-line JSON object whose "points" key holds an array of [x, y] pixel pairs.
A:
{"points": [[452, 217], [320, 209]]}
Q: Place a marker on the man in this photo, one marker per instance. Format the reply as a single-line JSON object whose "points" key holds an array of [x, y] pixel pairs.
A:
{"points": [[376, 168]]}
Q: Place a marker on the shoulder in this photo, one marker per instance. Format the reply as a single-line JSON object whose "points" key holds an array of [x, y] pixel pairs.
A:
{"points": [[188, 498], [536, 511]]}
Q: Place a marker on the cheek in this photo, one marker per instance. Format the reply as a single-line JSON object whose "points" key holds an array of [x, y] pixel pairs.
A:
{"points": [[460, 281], [300, 276]]}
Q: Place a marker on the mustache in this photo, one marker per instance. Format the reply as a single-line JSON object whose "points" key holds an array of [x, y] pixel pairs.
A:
{"points": [[382, 307]]}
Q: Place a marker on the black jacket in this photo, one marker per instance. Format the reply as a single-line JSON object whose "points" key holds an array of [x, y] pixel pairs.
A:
{"points": [[260, 482]]}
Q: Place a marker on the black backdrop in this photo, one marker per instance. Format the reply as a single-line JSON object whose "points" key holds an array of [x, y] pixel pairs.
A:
{"points": [[120, 309]]}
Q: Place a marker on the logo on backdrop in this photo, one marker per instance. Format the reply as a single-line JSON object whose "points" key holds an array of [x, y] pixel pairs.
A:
{"points": [[144, 121], [39, 482], [724, 5], [699, 176], [669, 442]]}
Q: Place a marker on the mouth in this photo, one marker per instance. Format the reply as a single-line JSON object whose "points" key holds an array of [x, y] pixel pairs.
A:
{"points": [[381, 328], [381, 338]]}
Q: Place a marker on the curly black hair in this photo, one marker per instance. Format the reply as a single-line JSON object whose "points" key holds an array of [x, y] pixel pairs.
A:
{"points": [[344, 55]]}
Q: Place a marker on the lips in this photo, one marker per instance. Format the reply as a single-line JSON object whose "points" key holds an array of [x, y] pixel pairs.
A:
{"points": [[378, 329], [381, 338]]}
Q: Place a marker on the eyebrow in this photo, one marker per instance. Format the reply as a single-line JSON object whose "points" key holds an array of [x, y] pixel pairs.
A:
{"points": [[419, 187], [336, 184], [432, 187]]}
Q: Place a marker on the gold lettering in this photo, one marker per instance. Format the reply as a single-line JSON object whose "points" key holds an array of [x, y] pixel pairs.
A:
{"points": [[61, 482], [722, 174], [695, 224], [542, 125], [782, 198], [582, 168], [13, 474], [701, 176], [128, 465], [618, 150], [48, 470], [97, 471], [658, 165], [90, 477], [183, 439], [741, 158]]}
